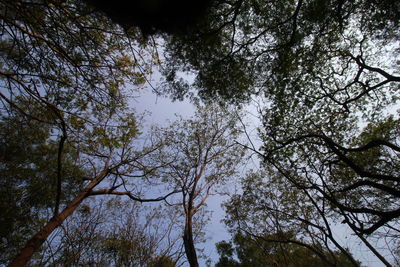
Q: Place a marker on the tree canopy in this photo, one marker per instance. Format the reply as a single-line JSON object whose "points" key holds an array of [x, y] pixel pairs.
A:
{"points": [[284, 49], [266, 251], [66, 128], [325, 73]]}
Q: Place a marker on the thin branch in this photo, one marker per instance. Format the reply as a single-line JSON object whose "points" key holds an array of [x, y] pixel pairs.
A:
{"points": [[131, 196]]}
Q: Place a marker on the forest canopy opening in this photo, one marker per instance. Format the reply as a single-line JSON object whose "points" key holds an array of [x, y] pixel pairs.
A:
{"points": [[328, 136]]}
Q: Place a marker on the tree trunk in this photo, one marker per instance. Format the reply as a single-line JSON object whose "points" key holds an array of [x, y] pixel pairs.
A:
{"points": [[188, 242], [40, 237]]}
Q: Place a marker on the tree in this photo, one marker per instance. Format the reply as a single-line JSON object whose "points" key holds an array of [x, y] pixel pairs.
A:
{"points": [[28, 189], [262, 251], [358, 180], [63, 76], [113, 232], [260, 47], [198, 154], [274, 211], [69, 56], [107, 163]]}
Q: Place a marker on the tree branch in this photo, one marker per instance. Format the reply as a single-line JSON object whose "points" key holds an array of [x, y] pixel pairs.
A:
{"points": [[131, 196]]}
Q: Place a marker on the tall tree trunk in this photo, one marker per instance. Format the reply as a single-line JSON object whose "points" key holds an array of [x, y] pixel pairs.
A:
{"points": [[188, 242], [40, 237]]}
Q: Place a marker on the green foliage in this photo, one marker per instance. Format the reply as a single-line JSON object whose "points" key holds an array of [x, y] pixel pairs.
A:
{"points": [[66, 55], [64, 79], [262, 251], [28, 166], [31, 182], [162, 261], [267, 47], [279, 216]]}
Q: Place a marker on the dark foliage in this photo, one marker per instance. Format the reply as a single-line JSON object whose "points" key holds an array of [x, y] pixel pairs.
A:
{"points": [[154, 16]]}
